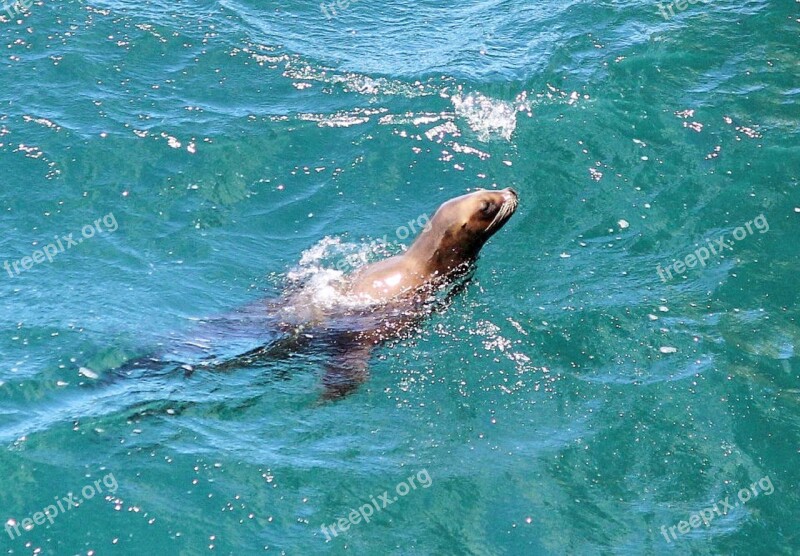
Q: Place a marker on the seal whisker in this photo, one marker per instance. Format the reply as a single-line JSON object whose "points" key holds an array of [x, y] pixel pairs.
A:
{"points": [[505, 211]]}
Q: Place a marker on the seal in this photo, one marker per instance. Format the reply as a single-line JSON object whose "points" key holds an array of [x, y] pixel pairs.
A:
{"points": [[378, 302], [401, 290]]}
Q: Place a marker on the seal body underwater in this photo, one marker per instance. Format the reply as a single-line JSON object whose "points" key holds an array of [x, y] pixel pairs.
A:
{"points": [[376, 303]]}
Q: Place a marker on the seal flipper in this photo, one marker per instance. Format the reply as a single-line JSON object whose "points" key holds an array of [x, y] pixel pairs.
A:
{"points": [[347, 369]]}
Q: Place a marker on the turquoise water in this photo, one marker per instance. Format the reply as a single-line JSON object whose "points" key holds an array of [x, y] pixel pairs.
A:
{"points": [[572, 400]]}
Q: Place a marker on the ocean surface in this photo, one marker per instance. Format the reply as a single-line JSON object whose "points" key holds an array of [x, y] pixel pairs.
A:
{"points": [[620, 376]]}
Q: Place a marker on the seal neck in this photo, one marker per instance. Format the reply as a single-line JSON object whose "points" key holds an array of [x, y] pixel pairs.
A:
{"points": [[439, 257]]}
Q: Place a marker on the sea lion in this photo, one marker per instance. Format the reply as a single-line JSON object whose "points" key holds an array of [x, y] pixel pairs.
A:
{"points": [[397, 292], [377, 302]]}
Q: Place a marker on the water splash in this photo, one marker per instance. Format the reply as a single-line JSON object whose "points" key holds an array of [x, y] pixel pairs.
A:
{"points": [[321, 272], [487, 116]]}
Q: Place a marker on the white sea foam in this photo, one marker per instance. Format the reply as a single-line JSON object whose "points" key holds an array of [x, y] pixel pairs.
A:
{"points": [[322, 268], [342, 119], [487, 116]]}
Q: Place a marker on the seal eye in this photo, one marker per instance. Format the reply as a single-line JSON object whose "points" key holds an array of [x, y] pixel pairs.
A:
{"points": [[486, 208]]}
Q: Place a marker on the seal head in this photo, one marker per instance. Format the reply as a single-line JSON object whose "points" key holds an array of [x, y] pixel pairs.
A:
{"points": [[449, 243], [461, 227]]}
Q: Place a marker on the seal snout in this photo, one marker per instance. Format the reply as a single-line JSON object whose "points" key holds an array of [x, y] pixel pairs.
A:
{"points": [[510, 199], [506, 205]]}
